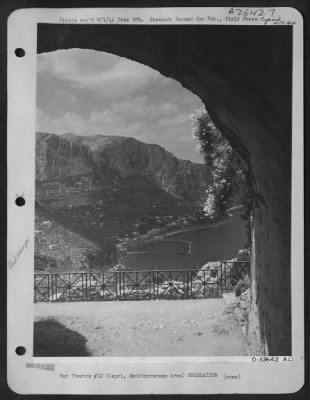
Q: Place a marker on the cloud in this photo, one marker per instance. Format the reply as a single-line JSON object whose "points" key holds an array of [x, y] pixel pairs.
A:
{"points": [[107, 74], [68, 122], [89, 93], [173, 120], [135, 117]]}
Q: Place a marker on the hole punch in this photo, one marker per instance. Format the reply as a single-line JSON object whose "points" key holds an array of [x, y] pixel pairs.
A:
{"points": [[20, 201], [19, 52], [20, 350]]}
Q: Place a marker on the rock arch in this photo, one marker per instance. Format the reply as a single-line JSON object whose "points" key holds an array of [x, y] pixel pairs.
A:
{"points": [[244, 76]]}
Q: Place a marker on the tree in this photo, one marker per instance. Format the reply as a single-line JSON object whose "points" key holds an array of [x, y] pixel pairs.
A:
{"points": [[229, 178]]}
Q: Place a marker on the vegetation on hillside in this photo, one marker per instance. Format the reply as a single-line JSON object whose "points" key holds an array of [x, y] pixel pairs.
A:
{"points": [[229, 175]]}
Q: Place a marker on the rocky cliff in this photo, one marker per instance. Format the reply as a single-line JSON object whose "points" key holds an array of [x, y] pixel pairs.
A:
{"points": [[71, 155], [57, 158]]}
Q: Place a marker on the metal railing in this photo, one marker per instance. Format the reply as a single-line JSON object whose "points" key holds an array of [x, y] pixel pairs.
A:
{"points": [[136, 285]]}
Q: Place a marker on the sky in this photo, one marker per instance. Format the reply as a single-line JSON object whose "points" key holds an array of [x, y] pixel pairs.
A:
{"points": [[90, 92]]}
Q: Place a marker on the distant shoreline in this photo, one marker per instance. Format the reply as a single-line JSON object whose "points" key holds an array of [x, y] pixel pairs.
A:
{"points": [[199, 228], [163, 236]]}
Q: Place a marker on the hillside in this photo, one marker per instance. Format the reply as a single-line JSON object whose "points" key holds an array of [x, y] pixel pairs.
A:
{"points": [[103, 157], [104, 189], [59, 249]]}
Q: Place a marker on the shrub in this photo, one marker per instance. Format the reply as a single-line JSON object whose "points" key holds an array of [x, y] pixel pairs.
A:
{"points": [[238, 271], [242, 285], [243, 255], [229, 172], [43, 262]]}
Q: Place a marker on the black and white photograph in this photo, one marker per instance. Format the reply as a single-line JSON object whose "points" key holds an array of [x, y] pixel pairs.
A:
{"points": [[140, 195], [163, 197]]}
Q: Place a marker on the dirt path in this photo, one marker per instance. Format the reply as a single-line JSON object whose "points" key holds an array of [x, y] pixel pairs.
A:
{"points": [[141, 328]]}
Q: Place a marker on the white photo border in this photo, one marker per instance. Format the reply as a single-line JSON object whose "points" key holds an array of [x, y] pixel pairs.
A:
{"points": [[283, 377]]}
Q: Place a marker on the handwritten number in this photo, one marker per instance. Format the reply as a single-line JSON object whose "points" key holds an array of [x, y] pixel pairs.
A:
{"points": [[272, 11]]}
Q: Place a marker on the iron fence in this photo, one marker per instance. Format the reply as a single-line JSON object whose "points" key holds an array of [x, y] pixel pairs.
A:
{"points": [[126, 285], [137, 285]]}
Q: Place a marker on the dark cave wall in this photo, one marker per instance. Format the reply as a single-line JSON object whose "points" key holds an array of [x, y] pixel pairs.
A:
{"points": [[243, 75]]}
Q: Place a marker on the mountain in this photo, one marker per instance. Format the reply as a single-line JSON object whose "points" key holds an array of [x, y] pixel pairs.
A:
{"points": [[70, 155], [57, 157], [97, 191]]}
